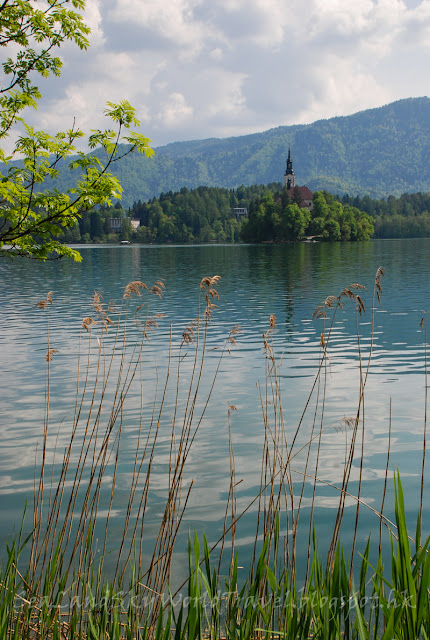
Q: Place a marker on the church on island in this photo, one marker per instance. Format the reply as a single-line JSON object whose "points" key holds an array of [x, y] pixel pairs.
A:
{"points": [[294, 192]]}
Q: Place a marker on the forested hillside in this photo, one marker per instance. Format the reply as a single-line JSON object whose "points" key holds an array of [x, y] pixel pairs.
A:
{"points": [[277, 218], [207, 214], [405, 217], [204, 214], [377, 152]]}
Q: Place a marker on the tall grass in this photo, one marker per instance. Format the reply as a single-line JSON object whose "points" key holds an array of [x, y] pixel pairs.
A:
{"points": [[55, 581]]}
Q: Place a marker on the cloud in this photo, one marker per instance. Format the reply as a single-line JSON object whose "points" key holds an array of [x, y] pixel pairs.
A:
{"points": [[168, 23], [259, 22], [174, 111], [93, 18], [200, 68]]}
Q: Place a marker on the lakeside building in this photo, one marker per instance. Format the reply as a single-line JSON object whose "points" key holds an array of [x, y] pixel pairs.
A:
{"points": [[294, 191], [240, 212], [115, 224]]}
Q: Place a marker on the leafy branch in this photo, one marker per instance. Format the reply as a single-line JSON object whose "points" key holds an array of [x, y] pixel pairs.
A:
{"points": [[31, 216]]}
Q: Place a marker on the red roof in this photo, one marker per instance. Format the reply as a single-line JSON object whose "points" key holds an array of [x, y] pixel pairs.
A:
{"points": [[305, 193]]}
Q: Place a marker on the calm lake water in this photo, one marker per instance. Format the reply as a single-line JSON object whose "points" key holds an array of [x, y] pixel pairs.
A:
{"points": [[288, 281]]}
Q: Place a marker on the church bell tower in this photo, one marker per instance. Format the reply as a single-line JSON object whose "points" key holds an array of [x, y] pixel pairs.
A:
{"points": [[289, 178]]}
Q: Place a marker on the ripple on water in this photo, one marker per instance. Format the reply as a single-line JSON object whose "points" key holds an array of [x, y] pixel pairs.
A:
{"points": [[286, 281]]}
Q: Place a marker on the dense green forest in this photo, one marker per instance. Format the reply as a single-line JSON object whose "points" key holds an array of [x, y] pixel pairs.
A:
{"points": [[206, 214], [405, 217], [377, 152], [278, 218]]}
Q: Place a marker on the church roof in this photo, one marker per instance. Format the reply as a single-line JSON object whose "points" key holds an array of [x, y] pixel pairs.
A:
{"points": [[305, 192]]}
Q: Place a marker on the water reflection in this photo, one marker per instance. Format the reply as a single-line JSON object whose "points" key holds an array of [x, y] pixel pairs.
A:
{"points": [[288, 281]]}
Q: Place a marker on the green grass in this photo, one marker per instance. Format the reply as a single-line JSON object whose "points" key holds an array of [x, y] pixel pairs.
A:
{"points": [[385, 603]]}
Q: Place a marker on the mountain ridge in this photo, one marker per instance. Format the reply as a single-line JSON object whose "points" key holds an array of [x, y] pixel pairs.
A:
{"points": [[375, 152]]}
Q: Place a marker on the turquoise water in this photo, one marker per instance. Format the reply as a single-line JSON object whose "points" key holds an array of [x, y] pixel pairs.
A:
{"points": [[288, 281]]}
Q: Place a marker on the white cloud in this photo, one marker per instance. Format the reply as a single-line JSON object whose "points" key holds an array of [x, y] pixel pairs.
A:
{"points": [[416, 30], [203, 68], [339, 91], [345, 17], [172, 21], [259, 22], [93, 18], [216, 54], [174, 111]]}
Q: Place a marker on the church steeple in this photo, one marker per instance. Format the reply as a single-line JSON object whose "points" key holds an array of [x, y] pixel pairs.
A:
{"points": [[289, 178]]}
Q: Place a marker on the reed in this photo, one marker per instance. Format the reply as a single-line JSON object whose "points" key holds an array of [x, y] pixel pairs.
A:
{"points": [[55, 582]]}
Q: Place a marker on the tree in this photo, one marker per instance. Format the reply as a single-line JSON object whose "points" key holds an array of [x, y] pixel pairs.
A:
{"points": [[96, 225], [332, 230], [295, 221], [285, 198], [33, 217], [126, 229], [320, 207], [297, 197]]}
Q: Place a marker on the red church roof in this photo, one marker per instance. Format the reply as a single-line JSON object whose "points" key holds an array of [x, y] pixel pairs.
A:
{"points": [[305, 193]]}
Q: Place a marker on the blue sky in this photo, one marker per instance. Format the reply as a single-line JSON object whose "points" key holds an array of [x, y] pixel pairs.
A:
{"points": [[216, 68]]}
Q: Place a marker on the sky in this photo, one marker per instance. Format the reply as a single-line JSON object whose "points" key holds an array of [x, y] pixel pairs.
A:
{"points": [[216, 68]]}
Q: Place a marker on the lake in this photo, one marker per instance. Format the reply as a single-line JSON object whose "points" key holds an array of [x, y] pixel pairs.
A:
{"points": [[288, 281]]}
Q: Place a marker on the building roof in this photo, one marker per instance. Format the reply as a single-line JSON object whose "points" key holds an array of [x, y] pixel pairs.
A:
{"points": [[305, 192]]}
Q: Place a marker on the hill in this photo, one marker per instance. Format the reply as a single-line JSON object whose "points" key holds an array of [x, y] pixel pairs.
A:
{"points": [[376, 152], [216, 214]]}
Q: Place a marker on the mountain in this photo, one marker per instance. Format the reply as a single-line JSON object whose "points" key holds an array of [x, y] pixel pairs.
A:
{"points": [[376, 152]]}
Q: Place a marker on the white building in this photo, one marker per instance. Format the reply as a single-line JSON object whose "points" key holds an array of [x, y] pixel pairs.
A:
{"points": [[240, 212], [115, 224]]}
